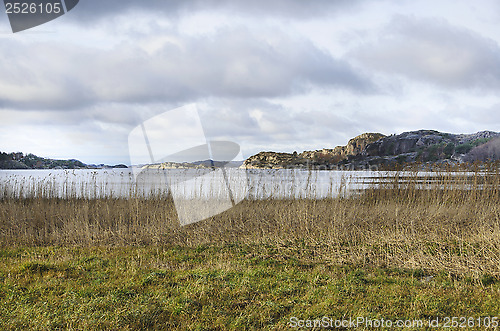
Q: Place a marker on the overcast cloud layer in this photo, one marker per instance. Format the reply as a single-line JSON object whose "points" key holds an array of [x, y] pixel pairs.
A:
{"points": [[297, 9], [279, 75]]}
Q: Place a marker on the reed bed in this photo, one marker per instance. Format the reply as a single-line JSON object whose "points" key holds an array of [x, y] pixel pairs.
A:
{"points": [[448, 221], [412, 245]]}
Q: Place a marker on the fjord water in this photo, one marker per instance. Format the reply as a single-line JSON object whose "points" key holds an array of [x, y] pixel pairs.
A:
{"points": [[195, 183]]}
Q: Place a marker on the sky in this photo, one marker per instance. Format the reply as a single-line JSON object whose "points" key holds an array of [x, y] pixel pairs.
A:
{"points": [[279, 75]]}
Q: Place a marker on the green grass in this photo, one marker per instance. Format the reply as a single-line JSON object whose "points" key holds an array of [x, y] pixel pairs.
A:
{"points": [[393, 252], [221, 287]]}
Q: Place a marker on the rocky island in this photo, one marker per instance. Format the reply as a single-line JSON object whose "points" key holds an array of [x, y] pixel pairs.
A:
{"points": [[372, 150]]}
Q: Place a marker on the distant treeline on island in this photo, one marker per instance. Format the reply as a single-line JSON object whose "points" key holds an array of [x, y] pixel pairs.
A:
{"points": [[30, 161]]}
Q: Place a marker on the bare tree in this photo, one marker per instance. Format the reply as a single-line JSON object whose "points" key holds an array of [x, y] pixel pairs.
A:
{"points": [[489, 151]]}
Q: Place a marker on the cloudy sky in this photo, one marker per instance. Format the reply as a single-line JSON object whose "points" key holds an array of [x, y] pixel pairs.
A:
{"points": [[278, 75]]}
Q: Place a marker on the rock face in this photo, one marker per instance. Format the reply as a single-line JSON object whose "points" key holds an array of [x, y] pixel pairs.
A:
{"points": [[375, 149], [404, 143], [426, 146], [319, 158], [354, 146], [272, 160]]}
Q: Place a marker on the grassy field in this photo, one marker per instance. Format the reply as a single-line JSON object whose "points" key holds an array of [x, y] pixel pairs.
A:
{"points": [[394, 252]]}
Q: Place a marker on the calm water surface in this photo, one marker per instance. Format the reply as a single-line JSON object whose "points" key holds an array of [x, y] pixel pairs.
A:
{"points": [[194, 183]]}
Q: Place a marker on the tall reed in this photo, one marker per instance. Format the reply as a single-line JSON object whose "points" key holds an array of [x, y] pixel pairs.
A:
{"points": [[449, 219]]}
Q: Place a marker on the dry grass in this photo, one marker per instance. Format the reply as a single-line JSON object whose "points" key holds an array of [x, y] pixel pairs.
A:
{"points": [[452, 225], [407, 249]]}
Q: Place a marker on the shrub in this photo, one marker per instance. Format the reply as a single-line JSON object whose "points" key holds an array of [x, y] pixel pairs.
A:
{"points": [[489, 151]]}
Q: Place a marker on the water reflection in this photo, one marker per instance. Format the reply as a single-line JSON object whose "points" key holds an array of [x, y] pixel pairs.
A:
{"points": [[234, 184]]}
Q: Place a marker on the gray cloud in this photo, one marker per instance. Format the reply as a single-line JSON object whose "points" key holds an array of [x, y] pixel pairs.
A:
{"points": [[262, 125], [231, 63], [112, 64], [433, 50], [94, 10]]}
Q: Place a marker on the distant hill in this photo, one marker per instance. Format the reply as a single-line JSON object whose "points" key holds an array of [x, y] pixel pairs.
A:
{"points": [[206, 164], [365, 151], [31, 161], [375, 149]]}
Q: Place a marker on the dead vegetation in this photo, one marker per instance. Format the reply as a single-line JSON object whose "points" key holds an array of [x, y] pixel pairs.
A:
{"points": [[448, 222]]}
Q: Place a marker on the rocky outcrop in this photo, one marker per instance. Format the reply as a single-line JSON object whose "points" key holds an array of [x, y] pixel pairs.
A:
{"points": [[354, 146], [273, 160], [375, 149], [424, 146], [485, 135], [307, 159], [404, 143]]}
